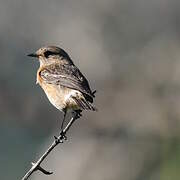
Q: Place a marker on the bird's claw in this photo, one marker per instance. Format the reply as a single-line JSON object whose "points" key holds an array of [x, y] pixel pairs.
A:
{"points": [[77, 114], [58, 140], [63, 136]]}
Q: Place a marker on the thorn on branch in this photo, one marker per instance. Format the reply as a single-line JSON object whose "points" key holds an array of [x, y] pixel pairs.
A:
{"points": [[38, 167], [44, 171]]}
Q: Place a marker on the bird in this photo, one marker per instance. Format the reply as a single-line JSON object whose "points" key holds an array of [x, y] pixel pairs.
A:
{"points": [[63, 83]]}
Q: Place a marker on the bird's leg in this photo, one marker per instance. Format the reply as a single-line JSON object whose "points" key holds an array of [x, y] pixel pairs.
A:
{"points": [[62, 125], [77, 113], [64, 117]]}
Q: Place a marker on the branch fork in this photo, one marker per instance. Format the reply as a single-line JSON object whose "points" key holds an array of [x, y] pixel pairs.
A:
{"points": [[57, 140]]}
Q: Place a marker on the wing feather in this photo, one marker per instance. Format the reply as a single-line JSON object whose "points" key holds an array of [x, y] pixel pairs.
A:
{"points": [[68, 76]]}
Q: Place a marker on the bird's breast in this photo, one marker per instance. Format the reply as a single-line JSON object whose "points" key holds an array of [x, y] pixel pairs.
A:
{"points": [[58, 95], [55, 94]]}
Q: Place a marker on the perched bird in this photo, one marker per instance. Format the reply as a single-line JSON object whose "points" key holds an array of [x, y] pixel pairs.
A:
{"points": [[63, 83]]}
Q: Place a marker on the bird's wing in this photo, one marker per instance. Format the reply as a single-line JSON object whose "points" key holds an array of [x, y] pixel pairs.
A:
{"points": [[68, 76]]}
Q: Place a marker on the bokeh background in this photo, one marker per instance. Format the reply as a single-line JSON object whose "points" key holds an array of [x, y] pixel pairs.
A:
{"points": [[130, 52]]}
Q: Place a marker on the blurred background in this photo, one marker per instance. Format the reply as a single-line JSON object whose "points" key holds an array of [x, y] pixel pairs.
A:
{"points": [[130, 52]]}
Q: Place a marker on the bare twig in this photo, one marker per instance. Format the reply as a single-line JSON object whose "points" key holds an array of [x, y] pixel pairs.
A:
{"points": [[60, 139]]}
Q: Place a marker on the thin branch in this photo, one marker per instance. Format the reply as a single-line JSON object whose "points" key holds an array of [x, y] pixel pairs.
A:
{"points": [[60, 139]]}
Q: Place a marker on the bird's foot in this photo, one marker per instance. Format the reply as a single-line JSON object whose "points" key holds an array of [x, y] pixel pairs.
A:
{"points": [[77, 114], [58, 139], [63, 135]]}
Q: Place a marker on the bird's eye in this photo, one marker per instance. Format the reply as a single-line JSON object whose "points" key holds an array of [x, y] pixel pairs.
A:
{"points": [[48, 53]]}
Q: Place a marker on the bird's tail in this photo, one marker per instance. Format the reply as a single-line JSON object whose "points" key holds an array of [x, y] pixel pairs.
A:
{"points": [[84, 104]]}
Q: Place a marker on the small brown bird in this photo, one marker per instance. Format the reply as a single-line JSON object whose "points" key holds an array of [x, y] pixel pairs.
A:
{"points": [[63, 83]]}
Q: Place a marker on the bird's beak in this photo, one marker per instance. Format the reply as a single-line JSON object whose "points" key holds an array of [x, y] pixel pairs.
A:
{"points": [[33, 55]]}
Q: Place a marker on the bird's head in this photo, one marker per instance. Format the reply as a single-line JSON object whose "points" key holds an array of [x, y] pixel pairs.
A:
{"points": [[51, 54]]}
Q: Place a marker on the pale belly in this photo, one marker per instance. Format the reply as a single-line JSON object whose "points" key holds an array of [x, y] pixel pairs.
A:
{"points": [[60, 97]]}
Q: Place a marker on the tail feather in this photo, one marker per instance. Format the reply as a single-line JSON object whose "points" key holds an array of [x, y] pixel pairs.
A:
{"points": [[89, 105], [84, 104], [90, 97]]}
